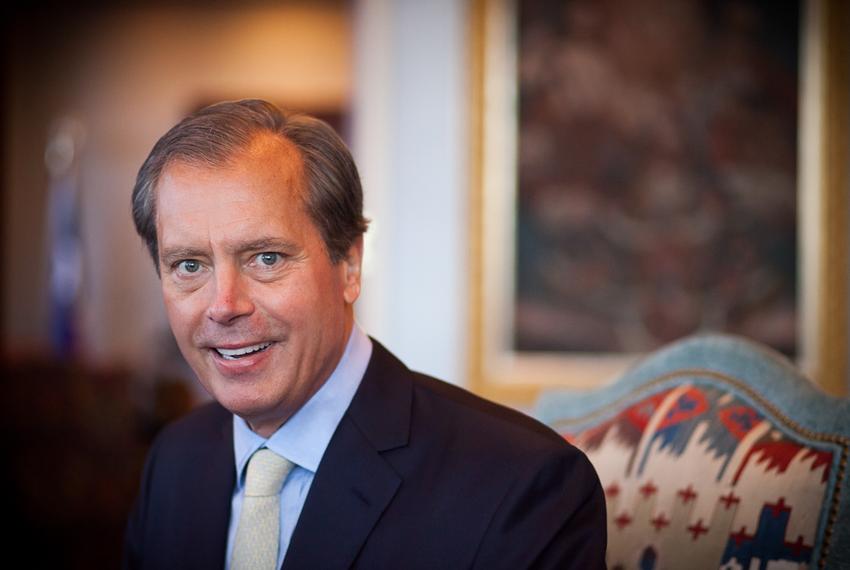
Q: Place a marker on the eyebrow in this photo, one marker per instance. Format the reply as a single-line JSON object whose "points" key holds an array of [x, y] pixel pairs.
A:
{"points": [[170, 255], [262, 244]]}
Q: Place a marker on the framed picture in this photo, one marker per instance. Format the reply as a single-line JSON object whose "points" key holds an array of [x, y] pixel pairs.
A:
{"points": [[645, 173]]}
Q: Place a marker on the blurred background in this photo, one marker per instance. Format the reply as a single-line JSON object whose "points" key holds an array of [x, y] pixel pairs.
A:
{"points": [[91, 370]]}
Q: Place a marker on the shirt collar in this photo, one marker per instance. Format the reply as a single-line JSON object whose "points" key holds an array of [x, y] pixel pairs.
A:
{"points": [[305, 436]]}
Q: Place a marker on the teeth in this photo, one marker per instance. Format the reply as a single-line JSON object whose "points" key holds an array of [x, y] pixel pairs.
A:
{"points": [[234, 353]]}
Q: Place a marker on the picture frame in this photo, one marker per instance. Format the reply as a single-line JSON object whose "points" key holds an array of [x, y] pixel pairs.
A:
{"points": [[502, 373]]}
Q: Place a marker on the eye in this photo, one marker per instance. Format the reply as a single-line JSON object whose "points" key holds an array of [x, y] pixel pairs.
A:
{"points": [[268, 258], [189, 266]]}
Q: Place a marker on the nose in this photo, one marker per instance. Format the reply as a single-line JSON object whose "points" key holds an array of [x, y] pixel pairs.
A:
{"points": [[231, 298]]}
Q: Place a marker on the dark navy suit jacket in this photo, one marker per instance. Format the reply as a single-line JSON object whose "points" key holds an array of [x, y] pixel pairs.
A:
{"points": [[419, 474]]}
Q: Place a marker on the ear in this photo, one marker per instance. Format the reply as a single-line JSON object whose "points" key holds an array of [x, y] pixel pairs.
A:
{"points": [[351, 266]]}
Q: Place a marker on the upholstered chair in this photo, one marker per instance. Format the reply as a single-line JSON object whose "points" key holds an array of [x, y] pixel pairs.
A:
{"points": [[715, 452]]}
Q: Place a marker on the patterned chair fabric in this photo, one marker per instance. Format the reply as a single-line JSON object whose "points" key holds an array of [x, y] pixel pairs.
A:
{"points": [[715, 453]]}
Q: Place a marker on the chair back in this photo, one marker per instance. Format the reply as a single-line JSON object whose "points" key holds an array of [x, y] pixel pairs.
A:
{"points": [[715, 452]]}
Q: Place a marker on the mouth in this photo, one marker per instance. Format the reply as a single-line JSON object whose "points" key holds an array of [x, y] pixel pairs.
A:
{"points": [[242, 352]]}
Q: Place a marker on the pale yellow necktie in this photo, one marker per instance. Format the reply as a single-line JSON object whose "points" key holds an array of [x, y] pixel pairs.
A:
{"points": [[258, 533]]}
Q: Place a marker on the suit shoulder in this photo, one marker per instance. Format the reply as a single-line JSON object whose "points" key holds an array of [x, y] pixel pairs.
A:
{"points": [[470, 416]]}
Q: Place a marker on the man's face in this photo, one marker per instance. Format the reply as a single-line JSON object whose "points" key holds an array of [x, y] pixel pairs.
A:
{"points": [[257, 308]]}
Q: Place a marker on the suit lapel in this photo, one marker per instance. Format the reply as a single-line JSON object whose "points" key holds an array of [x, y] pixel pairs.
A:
{"points": [[354, 483], [208, 497], [347, 497]]}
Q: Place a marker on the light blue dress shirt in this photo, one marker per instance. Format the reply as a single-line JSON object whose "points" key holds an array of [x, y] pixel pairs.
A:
{"points": [[302, 439]]}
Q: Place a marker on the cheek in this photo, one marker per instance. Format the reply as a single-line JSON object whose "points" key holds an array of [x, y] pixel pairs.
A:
{"points": [[183, 313], [305, 302], [288, 304]]}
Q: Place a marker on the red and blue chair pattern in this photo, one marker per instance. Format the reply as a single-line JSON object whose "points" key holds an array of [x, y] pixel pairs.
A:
{"points": [[715, 453]]}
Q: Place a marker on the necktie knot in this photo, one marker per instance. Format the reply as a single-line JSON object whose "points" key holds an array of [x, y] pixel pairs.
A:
{"points": [[266, 473]]}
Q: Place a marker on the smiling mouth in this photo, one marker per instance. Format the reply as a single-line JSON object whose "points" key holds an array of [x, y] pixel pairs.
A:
{"points": [[237, 353]]}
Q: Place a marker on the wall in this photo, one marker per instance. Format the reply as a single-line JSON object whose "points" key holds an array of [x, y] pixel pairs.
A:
{"points": [[411, 143]]}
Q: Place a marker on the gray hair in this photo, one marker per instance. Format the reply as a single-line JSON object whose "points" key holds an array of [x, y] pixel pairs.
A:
{"points": [[212, 136]]}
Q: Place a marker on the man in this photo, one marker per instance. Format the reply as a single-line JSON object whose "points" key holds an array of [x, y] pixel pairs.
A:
{"points": [[254, 222]]}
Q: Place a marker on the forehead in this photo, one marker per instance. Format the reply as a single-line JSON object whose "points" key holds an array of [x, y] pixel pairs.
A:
{"points": [[262, 182], [268, 161]]}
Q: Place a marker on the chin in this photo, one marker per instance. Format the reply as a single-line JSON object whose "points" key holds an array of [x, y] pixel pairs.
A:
{"points": [[247, 405], [239, 402]]}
